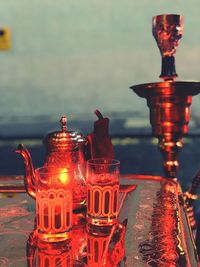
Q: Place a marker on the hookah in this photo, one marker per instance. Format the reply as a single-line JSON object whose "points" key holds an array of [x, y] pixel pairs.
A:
{"points": [[169, 102]]}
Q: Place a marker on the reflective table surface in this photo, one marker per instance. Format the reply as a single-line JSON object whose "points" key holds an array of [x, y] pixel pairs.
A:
{"points": [[153, 230]]}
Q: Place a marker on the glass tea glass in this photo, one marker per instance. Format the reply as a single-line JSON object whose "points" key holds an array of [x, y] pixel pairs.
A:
{"points": [[102, 191], [53, 204]]}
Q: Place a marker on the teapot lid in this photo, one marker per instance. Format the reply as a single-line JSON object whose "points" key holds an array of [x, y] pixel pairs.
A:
{"points": [[63, 139]]}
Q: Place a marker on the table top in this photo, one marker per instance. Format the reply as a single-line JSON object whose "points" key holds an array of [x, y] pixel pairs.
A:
{"points": [[153, 230]]}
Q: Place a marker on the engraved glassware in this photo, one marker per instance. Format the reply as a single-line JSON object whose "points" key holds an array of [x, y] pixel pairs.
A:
{"points": [[102, 191], [53, 204]]}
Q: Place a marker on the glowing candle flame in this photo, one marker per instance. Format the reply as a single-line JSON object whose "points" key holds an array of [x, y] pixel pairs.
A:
{"points": [[64, 176]]}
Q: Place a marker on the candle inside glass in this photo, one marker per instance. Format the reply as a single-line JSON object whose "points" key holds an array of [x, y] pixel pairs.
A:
{"points": [[53, 204]]}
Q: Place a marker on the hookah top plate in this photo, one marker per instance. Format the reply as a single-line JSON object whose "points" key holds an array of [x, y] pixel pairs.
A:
{"points": [[170, 87]]}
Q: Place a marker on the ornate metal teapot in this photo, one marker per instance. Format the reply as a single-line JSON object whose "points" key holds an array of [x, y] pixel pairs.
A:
{"points": [[65, 149]]}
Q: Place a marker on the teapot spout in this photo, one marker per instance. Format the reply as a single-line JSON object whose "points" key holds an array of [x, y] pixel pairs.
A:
{"points": [[29, 178]]}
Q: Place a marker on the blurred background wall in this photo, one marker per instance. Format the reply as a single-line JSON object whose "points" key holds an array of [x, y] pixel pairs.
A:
{"points": [[74, 56]]}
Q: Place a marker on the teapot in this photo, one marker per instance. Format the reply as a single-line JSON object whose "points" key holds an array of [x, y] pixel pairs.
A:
{"points": [[64, 149]]}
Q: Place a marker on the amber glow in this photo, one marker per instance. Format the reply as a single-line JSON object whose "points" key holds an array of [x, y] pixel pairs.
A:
{"points": [[64, 176], [172, 163], [169, 144], [168, 123]]}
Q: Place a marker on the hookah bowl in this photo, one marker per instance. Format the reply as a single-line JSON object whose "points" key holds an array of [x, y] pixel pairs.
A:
{"points": [[169, 100]]}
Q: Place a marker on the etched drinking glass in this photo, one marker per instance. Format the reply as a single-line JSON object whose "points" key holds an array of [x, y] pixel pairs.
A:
{"points": [[102, 191], [53, 204]]}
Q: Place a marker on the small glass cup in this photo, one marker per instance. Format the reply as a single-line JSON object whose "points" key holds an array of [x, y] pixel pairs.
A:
{"points": [[102, 191], [53, 204]]}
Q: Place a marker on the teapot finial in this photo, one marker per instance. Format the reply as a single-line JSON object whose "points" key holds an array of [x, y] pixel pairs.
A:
{"points": [[63, 122]]}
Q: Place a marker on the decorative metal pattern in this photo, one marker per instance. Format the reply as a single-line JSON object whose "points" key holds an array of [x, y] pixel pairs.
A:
{"points": [[161, 243], [154, 231]]}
